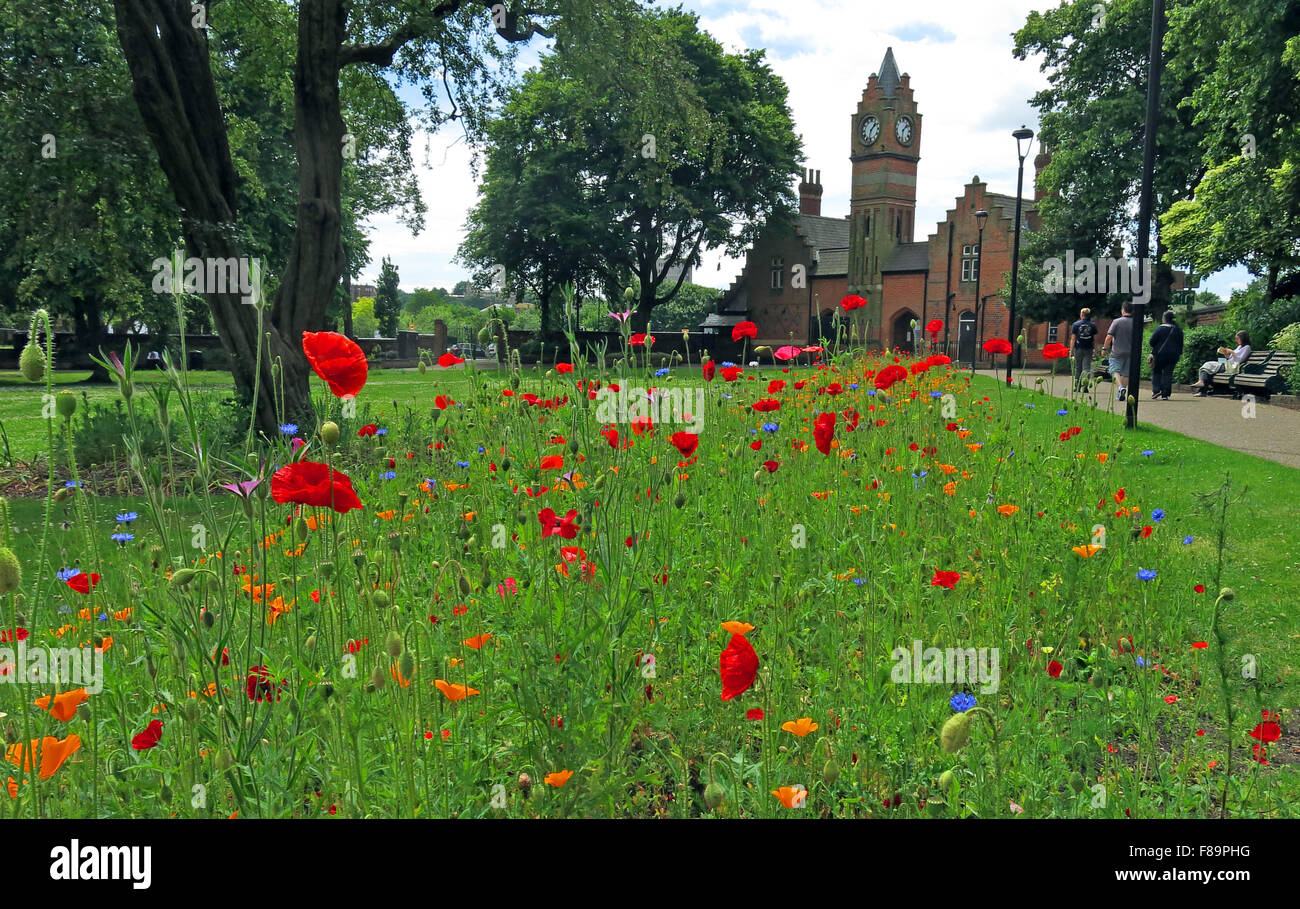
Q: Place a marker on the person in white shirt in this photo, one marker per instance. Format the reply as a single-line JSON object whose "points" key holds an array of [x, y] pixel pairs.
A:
{"points": [[1235, 360]]}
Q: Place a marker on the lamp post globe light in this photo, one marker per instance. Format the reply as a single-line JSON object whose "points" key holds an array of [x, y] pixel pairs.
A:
{"points": [[981, 217], [1024, 140]]}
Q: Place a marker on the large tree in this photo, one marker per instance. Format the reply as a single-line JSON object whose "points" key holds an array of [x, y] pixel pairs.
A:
{"points": [[617, 161], [168, 52], [1091, 119]]}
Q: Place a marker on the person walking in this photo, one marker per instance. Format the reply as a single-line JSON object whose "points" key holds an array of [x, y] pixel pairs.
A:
{"points": [[1166, 349], [1119, 347], [1084, 333], [1236, 358]]}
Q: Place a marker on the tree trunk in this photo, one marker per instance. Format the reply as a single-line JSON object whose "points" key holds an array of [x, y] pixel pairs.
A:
{"points": [[89, 334]]}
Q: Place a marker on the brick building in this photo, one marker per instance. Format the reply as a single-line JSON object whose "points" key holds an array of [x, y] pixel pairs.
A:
{"points": [[796, 273]]}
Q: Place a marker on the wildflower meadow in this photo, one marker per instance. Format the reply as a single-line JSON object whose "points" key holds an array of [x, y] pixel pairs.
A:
{"points": [[819, 582]]}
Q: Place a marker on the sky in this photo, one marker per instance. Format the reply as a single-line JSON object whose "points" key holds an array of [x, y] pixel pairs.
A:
{"points": [[969, 89]]}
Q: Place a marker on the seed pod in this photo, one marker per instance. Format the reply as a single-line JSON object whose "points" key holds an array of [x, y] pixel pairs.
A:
{"points": [[956, 732], [65, 402], [358, 558], [380, 598], [395, 541], [830, 772], [378, 678], [505, 464], [406, 665], [680, 500], [327, 570], [326, 689], [521, 518], [300, 529], [945, 780], [525, 783], [393, 644], [329, 432], [463, 585]]}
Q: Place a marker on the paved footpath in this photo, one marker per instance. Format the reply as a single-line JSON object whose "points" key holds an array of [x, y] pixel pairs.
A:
{"points": [[1273, 432]]}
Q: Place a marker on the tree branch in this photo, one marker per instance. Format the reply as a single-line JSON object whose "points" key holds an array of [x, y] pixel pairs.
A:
{"points": [[382, 54]]}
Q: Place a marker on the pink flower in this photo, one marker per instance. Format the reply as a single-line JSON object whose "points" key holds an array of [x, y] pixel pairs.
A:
{"points": [[508, 587]]}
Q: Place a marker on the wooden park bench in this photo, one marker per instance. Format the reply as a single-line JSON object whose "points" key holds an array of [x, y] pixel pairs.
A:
{"points": [[1222, 381], [1270, 379]]}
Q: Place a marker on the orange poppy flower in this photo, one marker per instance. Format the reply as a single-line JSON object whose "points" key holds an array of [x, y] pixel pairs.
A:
{"points": [[53, 752], [123, 615], [452, 487], [1008, 510], [13, 788], [453, 662], [558, 779], [470, 515], [800, 727], [947, 468], [85, 615], [740, 628], [963, 433], [386, 515], [454, 692], [1089, 550], [277, 608], [477, 641], [791, 796], [65, 704], [396, 673], [821, 495], [1102, 457]]}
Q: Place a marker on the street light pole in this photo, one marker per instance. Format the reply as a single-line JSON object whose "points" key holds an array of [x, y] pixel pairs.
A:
{"points": [[1024, 137], [981, 217], [1144, 205]]}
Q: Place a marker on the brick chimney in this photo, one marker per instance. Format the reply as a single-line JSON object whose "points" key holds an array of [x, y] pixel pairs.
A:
{"points": [[810, 193], [1041, 160]]}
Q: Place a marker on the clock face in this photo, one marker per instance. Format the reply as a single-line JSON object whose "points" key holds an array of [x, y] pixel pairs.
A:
{"points": [[903, 130], [869, 130]]}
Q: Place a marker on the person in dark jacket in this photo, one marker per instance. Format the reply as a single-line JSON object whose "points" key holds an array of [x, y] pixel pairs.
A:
{"points": [[1166, 349]]}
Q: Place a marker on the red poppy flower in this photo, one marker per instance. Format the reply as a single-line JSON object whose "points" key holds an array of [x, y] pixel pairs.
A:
{"points": [[1267, 732], [754, 713], [775, 386], [552, 462], [442, 402], [336, 359], [564, 368], [997, 346], [639, 339], [1199, 588], [852, 302], [83, 583], [710, 369], [947, 579], [313, 483], [685, 442], [1055, 351], [889, 375], [744, 330], [737, 665], [767, 405], [1054, 669], [449, 359], [756, 445], [730, 373], [939, 360], [555, 526], [151, 736], [770, 466], [934, 327], [824, 431], [611, 436], [259, 686]]}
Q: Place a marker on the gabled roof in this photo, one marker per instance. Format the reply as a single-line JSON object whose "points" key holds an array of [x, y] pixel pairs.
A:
{"points": [[833, 263], [823, 232], [908, 257]]}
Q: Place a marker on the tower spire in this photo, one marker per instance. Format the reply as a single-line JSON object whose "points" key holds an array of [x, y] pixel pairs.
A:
{"points": [[888, 78]]}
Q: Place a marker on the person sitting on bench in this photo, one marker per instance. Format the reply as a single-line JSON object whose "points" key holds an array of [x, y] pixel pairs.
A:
{"points": [[1211, 368]]}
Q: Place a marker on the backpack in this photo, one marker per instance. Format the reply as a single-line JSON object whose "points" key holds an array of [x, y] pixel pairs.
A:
{"points": [[1084, 332]]}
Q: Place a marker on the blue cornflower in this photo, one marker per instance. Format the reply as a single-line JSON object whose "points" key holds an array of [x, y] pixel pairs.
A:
{"points": [[726, 363], [871, 392], [288, 429], [853, 385], [962, 702], [1148, 453], [771, 427], [67, 574], [388, 475], [381, 432], [936, 394], [1029, 405], [127, 517], [71, 484], [1141, 663], [65, 609], [1062, 412], [660, 373], [1158, 515], [1187, 540], [462, 463], [481, 449], [103, 617], [429, 484], [122, 538], [859, 581], [1146, 574]]}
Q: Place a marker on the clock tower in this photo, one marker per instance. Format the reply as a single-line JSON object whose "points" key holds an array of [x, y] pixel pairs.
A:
{"points": [[885, 148]]}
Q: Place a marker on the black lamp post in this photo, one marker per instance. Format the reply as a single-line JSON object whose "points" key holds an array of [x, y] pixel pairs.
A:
{"points": [[1024, 138], [981, 217]]}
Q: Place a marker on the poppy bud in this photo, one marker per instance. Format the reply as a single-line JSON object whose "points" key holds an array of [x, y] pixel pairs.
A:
{"points": [[525, 783], [600, 481], [300, 529], [713, 795], [395, 541], [83, 711], [326, 689], [208, 618], [945, 780], [329, 432], [165, 794], [181, 577], [31, 363], [310, 643], [190, 711], [406, 665], [573, 445], [469, 544], [65, 402], [224, 759], [1227, 593], [61, 495], [11, 572], [380, 598], [505, 464], [1076, 782], [680, 500], [830, 772], [423, 369], [463, 584], [956, 732], [358, 558], [393, 644], [521, 518], [378, 679]]}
